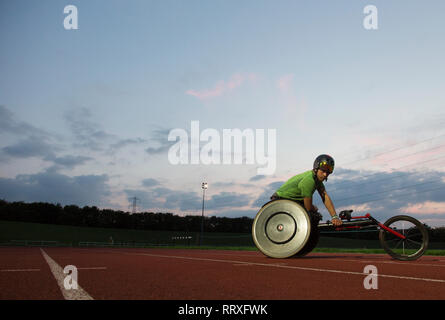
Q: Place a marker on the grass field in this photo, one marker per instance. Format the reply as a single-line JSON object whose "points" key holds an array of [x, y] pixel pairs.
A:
{"points": [[73, 236]]}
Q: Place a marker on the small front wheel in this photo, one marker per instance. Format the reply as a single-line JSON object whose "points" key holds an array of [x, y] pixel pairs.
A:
{"points": [[415, 240]]}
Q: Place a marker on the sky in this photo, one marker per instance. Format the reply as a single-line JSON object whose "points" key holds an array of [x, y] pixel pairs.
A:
{"points": [[86, 113]]}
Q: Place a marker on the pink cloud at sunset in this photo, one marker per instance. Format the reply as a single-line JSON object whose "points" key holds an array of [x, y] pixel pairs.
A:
{"points": [[427, 207], [413, 158], [388, 153], [285, 82], [222, 87]]}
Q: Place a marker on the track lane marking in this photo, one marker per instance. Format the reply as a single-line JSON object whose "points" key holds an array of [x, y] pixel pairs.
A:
{"points": [[57, 271], [19, 270], [92, 268], [358, 260], [393, 262], [288, 267]]}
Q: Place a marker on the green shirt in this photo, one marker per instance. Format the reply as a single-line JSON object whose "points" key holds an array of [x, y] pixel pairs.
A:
{"points": [[300, 186]]}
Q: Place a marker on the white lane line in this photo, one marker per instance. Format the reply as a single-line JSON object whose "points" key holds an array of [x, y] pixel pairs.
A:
{"points": [[392, 262], [289, 267], [405, 263], [242, 264], [92, 268], [57, 271], [19, 270]]}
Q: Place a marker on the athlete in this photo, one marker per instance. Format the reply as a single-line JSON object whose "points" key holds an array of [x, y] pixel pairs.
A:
{"points": [[301, 187]]}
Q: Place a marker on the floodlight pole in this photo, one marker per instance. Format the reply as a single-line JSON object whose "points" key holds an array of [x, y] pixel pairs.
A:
{"points": [[204, 186]]}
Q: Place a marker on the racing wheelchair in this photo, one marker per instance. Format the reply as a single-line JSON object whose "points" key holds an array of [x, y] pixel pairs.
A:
{"points": [[283, 229]]}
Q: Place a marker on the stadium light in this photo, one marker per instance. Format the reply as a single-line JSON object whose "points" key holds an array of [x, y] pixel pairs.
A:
{"points": [[204, 187]]}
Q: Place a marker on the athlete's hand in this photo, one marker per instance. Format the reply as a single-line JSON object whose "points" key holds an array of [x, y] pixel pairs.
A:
{"points": [[337, 222]]}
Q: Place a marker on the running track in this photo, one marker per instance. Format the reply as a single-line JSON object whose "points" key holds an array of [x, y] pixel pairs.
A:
{"points": [[174, 274]]}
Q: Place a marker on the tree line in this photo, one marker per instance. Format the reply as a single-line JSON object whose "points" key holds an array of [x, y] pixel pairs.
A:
{"points": [[73, 215]]}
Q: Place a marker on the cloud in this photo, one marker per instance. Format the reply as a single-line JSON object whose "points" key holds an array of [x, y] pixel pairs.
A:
{"points": [[147, 200], [30, 147], [227, 200], [9, 124], [424, 208], [150, 182], [36, 147], [70, 161], [401, 159], [52, 187], [183, 200], [216, 91], [221, 184], [222, 87], [357, 208], [160, 143], [30, 140], [164, 198], [389, 149], [34, 142], [126, 142], [257, 177], [233, 184], [267, 193], [385, 194], [383, 185], [87, 133]]}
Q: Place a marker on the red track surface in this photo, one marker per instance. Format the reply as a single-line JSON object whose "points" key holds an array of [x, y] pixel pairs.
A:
{"points": [[172, 274]]}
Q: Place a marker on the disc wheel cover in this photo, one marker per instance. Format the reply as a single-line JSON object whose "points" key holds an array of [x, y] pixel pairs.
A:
{"points": [[281, 229]]}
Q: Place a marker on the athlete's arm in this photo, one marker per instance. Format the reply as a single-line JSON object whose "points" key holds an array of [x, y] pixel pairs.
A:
{"points": [[330, 206], [308, 204]]}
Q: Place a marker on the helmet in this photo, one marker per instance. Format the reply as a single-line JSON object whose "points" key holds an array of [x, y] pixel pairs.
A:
{"points": [[325, 162]]}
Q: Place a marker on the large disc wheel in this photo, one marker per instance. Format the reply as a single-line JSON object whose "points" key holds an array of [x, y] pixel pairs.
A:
{"points": [[312, 242], [281, 229], [413, 246]]}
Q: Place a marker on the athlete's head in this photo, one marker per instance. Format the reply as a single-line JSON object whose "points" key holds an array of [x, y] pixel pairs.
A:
{"points": [[323, 166]]}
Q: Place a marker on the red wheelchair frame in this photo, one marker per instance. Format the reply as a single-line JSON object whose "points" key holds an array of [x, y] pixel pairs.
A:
{"points": [[367, 221]]}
